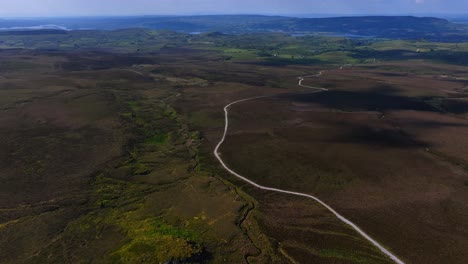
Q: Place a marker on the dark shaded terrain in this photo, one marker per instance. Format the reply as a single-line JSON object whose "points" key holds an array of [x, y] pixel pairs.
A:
{"points": [[363, 101]]}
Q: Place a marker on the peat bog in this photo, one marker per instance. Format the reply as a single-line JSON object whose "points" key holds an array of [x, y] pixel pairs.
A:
{"points": [[106, 141]]}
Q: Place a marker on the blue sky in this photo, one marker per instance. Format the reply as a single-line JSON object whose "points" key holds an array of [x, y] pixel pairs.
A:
{"points": [[141, 7]]}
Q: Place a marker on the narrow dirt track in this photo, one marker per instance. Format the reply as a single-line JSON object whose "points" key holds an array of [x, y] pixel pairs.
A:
{"points": [[340, 217]]}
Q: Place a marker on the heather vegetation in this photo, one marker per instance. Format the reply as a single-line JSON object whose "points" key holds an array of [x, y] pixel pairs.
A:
{"points": [[107, 142]]}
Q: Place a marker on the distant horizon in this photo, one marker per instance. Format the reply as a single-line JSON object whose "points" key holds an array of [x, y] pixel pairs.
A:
{"points": [[320, 8], [320, 15]]}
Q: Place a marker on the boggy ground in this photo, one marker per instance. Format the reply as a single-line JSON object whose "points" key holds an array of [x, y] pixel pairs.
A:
{"points": [[301, 231], [376, 148], [107, 158], [97, 167]]}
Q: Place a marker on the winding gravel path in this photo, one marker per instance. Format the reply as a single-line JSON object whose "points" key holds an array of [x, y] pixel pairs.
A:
{"points": [[340, 217]]}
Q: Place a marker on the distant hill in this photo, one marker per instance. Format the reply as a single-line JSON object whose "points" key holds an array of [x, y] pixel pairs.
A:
{"points": [[393, 27], [33, 32]]}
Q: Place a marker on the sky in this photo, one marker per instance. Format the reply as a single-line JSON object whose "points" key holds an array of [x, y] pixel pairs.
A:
{"points": [[11, 8]]}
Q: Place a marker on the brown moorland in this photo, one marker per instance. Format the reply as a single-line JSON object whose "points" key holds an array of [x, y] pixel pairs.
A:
{"points": [[384, 156], [107, 157]]}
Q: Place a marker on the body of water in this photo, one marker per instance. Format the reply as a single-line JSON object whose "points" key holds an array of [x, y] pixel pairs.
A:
{"points": [[40, 27]]}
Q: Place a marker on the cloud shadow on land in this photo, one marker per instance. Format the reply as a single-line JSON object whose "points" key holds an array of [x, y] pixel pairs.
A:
{"points": [[379, 99]]}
